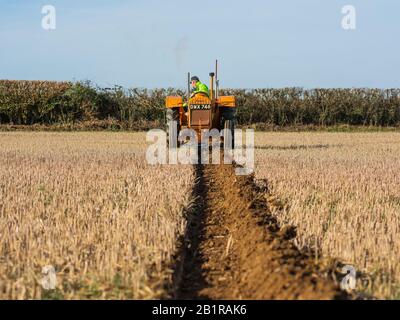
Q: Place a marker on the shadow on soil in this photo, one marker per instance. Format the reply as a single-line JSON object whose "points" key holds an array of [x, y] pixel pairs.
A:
{"points": [[188, 278]]}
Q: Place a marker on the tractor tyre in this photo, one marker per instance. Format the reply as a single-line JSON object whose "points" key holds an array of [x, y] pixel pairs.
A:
{"points": [[228, 118], [229, 136], [173, 128]]}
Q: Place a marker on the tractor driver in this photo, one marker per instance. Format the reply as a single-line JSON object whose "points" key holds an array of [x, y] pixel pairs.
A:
{"points": [[197, 87]]}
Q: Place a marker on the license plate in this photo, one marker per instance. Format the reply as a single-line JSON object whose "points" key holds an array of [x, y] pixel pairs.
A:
{"points": [[200, 106]]}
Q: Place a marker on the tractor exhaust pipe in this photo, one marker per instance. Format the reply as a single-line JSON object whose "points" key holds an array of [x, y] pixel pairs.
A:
{"points": [[216, 80], [212, 74], [188, 87]]}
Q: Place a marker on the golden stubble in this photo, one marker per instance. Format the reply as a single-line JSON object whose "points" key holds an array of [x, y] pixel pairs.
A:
{"points": [[342, 191], [90, 205]]}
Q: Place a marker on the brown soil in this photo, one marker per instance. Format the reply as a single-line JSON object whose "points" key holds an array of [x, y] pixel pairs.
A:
{"points": [[234, 249]]}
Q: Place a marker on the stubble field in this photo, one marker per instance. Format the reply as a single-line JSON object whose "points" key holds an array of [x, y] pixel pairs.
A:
{"points": [[88, 205], [112, 226], [341, 191]]}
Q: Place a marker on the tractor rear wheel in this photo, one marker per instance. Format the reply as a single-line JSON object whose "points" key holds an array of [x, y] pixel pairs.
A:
{"points": [[229, 136], [228, 123], [173, 127]]}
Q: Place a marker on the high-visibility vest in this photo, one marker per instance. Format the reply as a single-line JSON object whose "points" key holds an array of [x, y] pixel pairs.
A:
{"points": [[201, 87]]}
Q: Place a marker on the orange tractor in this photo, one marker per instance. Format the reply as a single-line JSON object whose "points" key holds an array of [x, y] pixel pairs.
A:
{"points": [[203, 112]]}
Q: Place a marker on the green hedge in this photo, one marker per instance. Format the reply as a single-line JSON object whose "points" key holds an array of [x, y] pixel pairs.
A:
{"points": [[324, 107], [43, 102]]}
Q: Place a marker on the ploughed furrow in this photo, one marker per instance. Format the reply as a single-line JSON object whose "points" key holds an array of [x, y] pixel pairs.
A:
{"points": [[234, 249]]}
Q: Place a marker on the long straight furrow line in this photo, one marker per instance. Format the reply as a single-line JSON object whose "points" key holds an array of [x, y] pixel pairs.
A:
{"points": [[234, 249]]}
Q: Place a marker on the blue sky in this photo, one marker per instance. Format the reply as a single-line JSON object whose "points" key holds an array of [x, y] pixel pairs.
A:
{"points": [[148, 43]]}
